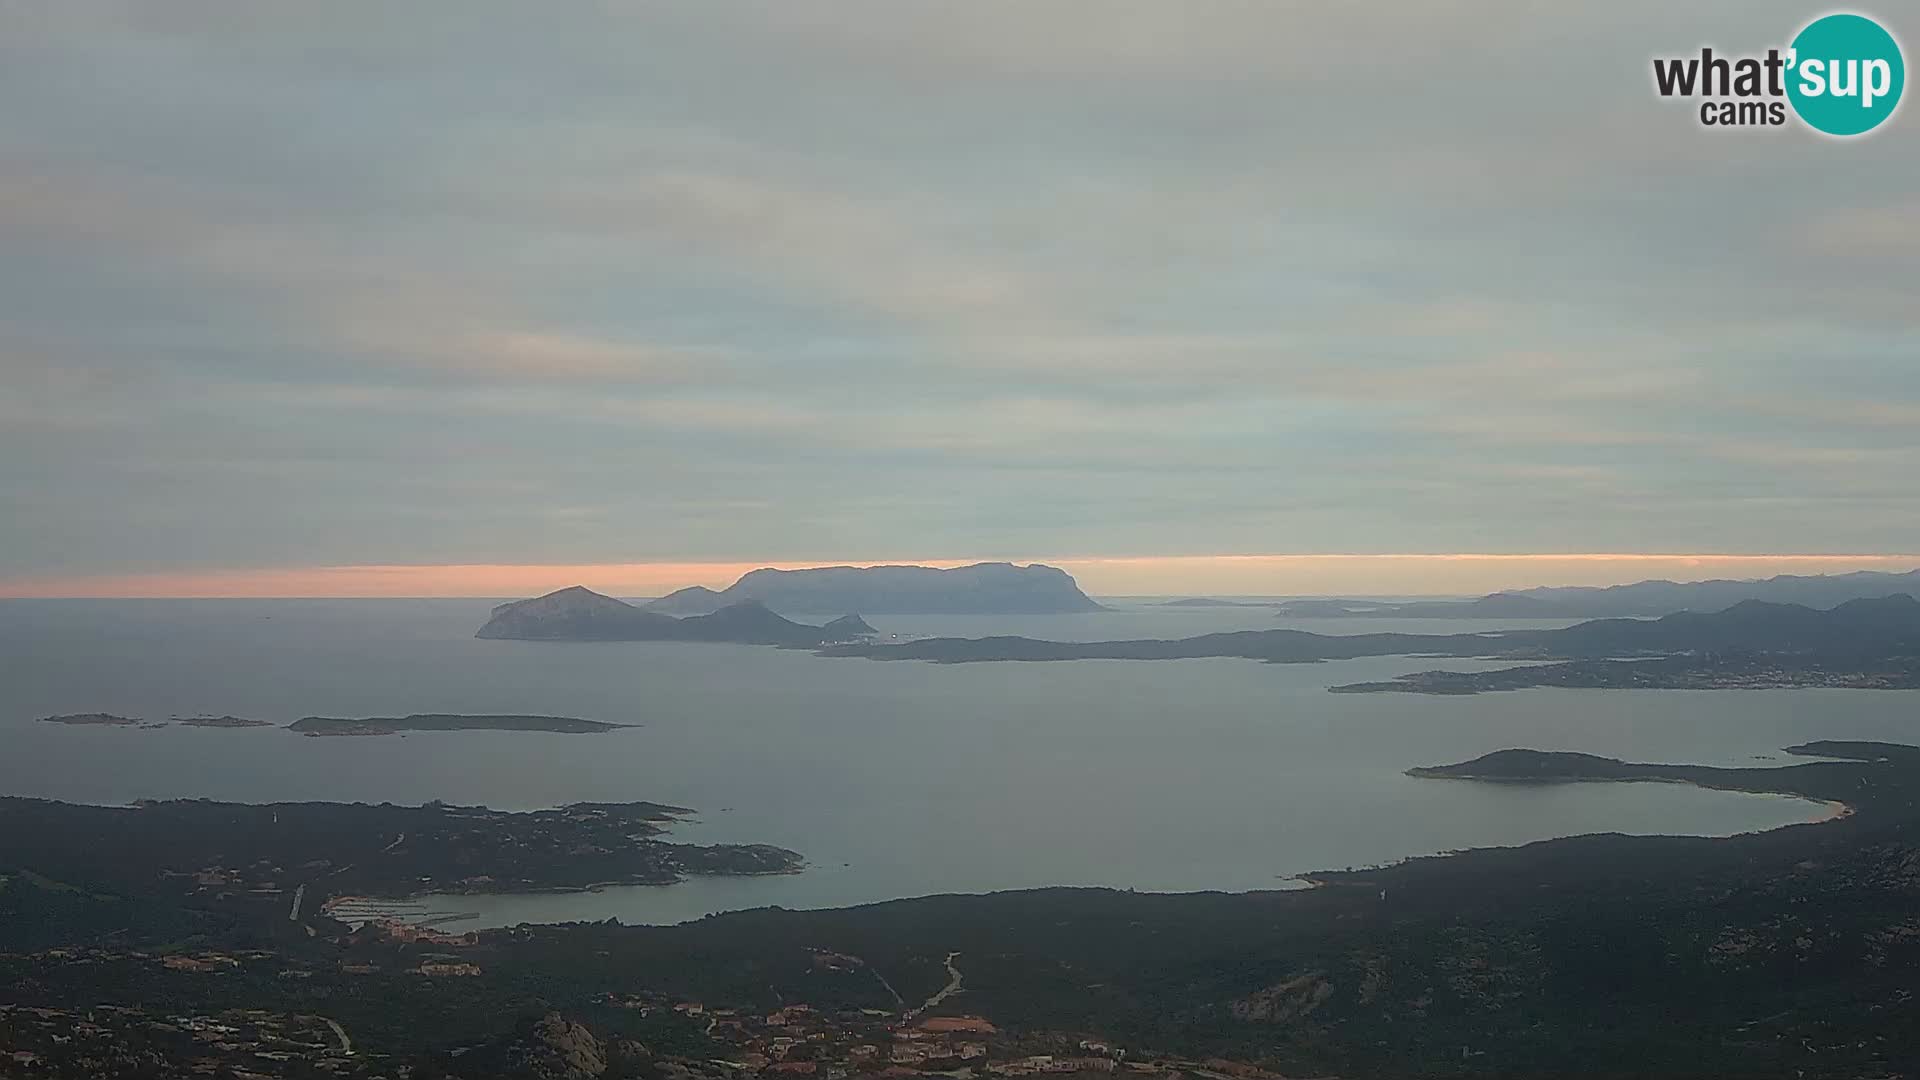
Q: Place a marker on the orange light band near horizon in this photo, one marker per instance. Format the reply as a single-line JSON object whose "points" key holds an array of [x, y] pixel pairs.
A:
{"points": [[1407, 574]]}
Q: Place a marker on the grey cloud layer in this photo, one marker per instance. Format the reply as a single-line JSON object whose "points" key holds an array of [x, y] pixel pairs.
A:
{"points": [[289, 284]]}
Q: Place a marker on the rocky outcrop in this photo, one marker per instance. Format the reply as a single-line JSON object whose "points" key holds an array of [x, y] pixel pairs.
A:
{"points": [[558, 1049], [848, 628], [549, 1048], [1292, 999]]}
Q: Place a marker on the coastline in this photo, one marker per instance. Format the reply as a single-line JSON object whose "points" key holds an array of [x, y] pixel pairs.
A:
{"points": [[1830, 810], [552, 890], [1706, 778], [1835, 810]]}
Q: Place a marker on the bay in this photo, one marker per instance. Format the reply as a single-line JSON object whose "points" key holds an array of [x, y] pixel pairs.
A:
{"points": [[893, 779]]}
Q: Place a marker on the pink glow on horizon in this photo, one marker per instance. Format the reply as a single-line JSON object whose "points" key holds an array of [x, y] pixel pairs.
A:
{"points": [[1282, 574]]}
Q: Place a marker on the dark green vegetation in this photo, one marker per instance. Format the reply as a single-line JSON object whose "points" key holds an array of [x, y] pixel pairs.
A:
{"points": [[580, 614], [1807, 779], [1789, 953], [388, 725], [224, 864], [115, 1041], [980, 589], [1642, 598]]}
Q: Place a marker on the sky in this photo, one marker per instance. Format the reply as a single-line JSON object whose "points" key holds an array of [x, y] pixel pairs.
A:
{"points": [[441, 298]]}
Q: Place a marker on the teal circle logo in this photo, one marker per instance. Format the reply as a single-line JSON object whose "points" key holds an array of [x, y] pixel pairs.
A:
{"points": [[1845, 74]]}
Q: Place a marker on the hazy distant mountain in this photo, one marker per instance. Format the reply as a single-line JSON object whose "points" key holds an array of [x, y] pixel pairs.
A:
{"points": [[1217, 602], [692, 600], [1503, 605], [980, 589], [580, 614], [1661, 597], [1879, 626], [1642, 598]]}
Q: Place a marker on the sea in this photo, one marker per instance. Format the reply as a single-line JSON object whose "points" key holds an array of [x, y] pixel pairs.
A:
{"points": [[893, 779]]}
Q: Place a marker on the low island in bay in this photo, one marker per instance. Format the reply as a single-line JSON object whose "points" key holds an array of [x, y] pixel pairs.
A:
{"points": [[1833, 780], [393, 725], [220, 722], [367, 725], [92, 719]]}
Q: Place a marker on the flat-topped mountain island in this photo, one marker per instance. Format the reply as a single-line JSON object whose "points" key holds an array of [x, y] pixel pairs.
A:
{"points": [[979, 589]]}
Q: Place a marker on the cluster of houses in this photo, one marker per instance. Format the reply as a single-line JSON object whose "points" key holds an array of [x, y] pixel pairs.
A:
{"points": [[799, 1040], [855, 1044], [123, 1041]]}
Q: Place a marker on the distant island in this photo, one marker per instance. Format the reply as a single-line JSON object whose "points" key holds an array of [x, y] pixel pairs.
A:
{"points": [[371, 725], [1495, 606], [1217, 602], [1861, 642], [390, 725], [1869, 644], [1535, 765], [1639, 599], [1812, 780], [578, 613], [980, 589], [91, 719], [1719, 671], [220, 722]]}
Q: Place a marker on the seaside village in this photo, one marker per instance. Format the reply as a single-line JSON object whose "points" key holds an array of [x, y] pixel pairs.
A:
{"points": [[797, 1040], [833, 1044], [802, 1041]]}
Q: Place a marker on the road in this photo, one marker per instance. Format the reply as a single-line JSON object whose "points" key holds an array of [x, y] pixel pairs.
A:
{"points": [[346, 1044], [897, 999]]}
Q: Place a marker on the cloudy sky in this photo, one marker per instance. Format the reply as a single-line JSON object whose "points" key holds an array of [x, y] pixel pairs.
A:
{"points": [[366, 285]]}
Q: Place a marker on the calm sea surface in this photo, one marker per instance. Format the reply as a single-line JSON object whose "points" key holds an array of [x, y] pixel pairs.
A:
{"points": [[894, 779]]}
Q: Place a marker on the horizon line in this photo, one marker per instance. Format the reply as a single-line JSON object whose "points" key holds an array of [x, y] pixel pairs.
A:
{"points": [[1244, 574]]}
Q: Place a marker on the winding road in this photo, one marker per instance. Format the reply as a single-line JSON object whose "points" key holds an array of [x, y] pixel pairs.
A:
{"points": [[346, 1044]]}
